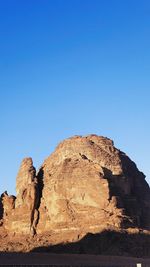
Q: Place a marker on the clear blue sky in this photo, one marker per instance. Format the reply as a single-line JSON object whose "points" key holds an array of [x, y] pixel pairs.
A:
{"points": [[72, 67]]}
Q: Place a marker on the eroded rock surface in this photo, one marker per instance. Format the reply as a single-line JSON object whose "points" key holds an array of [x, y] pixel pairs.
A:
{"points": [[23, 217], [89, 184], [8, 203], [86, 185]]}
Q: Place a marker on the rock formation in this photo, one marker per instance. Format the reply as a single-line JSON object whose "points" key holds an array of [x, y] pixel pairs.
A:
{"points": [[86, 185], [8, 204], [21, 214]]}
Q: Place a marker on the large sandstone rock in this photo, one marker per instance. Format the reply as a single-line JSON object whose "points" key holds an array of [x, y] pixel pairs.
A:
{"points": [[86, 185], [24, 216], [89, 184]]}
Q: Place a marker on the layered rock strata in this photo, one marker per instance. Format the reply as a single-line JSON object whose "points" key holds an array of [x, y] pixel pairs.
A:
{"points": [[85, 185]]}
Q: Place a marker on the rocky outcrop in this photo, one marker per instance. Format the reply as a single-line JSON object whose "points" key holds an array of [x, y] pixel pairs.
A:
{"points": [[89, 184], [86, 185], [23, 217], [25, 179], [8, 203]]}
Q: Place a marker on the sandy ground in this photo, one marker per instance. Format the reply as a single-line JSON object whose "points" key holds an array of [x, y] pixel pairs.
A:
{"points": [[72, 260]]}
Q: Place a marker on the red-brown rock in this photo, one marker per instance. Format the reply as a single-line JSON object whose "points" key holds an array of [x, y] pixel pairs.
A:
{"points": [[24, 216], [89, 184], [86, 185]]}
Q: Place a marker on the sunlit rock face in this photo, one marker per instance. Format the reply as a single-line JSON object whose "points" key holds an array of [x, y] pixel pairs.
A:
{"points": [[23, 217], [88, 183], [25, 178], [8, 203], [85, 185]]}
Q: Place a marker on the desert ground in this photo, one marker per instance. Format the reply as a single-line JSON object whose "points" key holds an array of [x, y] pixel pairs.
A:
{"points": [[69, 260]]}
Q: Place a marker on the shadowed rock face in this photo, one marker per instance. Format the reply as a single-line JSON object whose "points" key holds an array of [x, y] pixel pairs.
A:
{"points": [[86, 185]]}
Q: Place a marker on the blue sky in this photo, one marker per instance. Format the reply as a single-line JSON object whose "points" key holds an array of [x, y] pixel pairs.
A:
{"points": [[72, 67]]}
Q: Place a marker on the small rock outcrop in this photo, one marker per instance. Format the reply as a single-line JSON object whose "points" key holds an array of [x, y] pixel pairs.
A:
{"points": [[86, 185], [8, 203]]}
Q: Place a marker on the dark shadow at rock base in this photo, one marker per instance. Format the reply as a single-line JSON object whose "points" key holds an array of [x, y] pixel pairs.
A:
{"points": [[105, 243]]}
